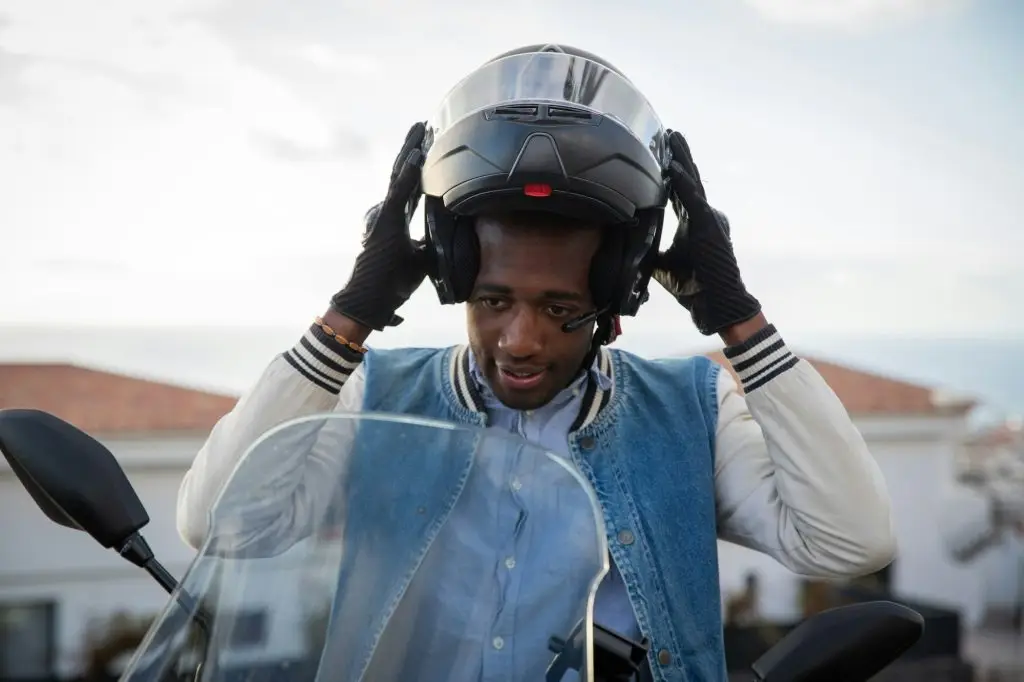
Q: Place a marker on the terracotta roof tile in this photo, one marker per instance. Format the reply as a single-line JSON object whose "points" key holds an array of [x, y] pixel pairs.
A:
{"points": [[104, 402], [868, 393]]}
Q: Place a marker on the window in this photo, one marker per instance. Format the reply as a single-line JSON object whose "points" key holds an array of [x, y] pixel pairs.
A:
{"points": [[28, 634]]}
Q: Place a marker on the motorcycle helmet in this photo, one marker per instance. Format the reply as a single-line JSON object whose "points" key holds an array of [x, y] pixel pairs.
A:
{"points": [[556, 129]]}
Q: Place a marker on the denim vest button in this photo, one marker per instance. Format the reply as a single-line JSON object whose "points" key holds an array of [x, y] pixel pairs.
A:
{"points": [[664, 657], [626, 537], [588, 442]]}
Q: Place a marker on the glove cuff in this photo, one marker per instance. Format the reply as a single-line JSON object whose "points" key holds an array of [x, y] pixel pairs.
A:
{"points": [[370, 309], [717, 315]]}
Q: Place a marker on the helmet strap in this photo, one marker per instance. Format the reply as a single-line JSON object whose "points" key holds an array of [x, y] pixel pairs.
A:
{"points": [[608, 329]]}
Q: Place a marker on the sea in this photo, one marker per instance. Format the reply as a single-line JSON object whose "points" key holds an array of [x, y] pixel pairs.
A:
{"points": [[229, 360]]}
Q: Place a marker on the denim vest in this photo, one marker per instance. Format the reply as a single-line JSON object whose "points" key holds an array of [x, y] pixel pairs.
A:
{"points": [[646, 446]]}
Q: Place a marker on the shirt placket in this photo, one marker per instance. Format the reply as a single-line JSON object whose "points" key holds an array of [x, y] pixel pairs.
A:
{"points": [[499, 656]]}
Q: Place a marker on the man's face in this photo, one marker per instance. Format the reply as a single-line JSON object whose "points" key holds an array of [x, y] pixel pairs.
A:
{"points": [[534, 277]]}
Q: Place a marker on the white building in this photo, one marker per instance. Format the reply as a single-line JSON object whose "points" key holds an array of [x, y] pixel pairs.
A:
{"points": [[992, 464], [55, 581]]}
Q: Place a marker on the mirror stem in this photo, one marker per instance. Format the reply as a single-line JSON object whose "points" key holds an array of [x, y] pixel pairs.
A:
{"points": [[136, 550], [160, 574]]}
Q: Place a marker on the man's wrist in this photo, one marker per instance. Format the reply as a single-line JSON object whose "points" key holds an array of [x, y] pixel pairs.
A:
{"points": [[346, 327], [737, 334], [322, 359], [760, 357]]}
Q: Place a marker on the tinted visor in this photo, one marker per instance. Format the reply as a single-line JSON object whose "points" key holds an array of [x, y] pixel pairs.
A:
{"points": [[554, 78]]}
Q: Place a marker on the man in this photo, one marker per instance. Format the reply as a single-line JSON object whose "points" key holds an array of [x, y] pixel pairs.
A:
{"points": [[678, 455]]}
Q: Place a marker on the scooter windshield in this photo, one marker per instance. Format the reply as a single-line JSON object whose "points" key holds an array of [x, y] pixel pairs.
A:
{"points": [[380, 548]]}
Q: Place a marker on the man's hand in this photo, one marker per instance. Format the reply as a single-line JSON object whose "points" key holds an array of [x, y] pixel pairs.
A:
{"points": [[700, 268], [392, 265]]}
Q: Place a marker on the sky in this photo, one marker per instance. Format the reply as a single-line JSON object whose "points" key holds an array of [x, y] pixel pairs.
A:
{"points": [[207, 162]]}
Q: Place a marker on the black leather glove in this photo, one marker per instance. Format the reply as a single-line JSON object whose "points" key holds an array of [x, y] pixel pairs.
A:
{"points": [[700, 268], [392, 265]]}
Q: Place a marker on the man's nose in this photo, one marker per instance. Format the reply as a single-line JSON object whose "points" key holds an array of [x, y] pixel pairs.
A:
{"points": [[522, 337]]}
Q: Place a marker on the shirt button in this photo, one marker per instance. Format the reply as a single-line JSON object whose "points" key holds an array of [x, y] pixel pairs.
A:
{"points": [[516, 484], [664, 657], [626, 537], [510, 563], [498, 643], [588, 442]]}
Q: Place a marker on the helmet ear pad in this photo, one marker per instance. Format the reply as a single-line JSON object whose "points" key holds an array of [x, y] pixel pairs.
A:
{"points": [[641, 243], [622, 267], [465, 258], [606, 268], [452, 242]]}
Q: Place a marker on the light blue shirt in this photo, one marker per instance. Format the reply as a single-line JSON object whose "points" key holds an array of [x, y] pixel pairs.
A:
{"points": [[549, 427], [490, 607]]}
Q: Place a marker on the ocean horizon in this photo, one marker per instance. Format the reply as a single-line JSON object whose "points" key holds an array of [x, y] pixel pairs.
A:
{"points": [[229, 360]]}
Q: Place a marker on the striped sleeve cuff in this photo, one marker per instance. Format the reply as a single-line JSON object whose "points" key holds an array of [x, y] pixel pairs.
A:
{"points": [[322, 360], [760, 358]]}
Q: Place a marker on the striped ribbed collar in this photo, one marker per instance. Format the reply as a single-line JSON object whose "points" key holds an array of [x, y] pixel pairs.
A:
{"points": [[469, 385]]}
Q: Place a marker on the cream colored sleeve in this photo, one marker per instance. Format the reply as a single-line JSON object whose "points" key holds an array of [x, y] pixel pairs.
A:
{"points": [[316, 376], [794, 477]]}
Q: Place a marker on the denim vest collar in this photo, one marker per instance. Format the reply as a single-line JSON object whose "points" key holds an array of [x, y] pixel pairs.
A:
{"points": [[472, 391]]}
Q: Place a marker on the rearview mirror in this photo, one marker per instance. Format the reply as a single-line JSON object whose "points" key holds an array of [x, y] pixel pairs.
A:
{"points": [[845, 644], [74, 479]]}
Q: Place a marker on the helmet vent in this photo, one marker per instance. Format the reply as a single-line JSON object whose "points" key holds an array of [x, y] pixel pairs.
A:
{"points": [[564, 113], [514, 112]]}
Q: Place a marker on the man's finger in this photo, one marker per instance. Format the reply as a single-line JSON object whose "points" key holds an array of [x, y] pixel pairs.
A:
{"points": [[683, 183], [404, 192], [408, 179], [680, 149], [370, 221], [413, 140]]}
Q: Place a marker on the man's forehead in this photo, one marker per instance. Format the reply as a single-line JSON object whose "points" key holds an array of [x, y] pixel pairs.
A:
{"points": [[536, 249], [533, 223]]}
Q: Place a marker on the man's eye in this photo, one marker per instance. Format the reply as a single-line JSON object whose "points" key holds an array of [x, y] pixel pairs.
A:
{"points": [[558, 310], [490, 302]]}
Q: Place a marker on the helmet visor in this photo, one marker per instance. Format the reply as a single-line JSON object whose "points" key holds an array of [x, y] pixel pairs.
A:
{"points": [[554, 78]]}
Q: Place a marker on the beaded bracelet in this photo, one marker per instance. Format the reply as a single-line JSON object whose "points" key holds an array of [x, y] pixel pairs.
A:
{"points": [[338, 337]]}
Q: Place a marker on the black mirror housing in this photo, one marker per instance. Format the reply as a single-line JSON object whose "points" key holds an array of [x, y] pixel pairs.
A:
{"points": [[73, 478], [845, 644]]}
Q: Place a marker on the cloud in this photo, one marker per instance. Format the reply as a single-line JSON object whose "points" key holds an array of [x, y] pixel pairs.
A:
{"points": [[850, 13], [330, 59], [346, 145], [12, 66], [885, 291], [139, 131], [230, 149]]}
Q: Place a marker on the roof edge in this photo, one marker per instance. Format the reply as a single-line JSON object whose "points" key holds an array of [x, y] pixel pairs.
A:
{"points": [[143, 377]]}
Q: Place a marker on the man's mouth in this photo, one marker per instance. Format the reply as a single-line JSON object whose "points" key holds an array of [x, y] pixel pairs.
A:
{"points": [[520, 379]]}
